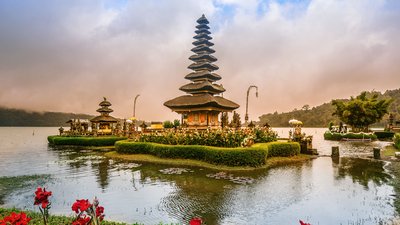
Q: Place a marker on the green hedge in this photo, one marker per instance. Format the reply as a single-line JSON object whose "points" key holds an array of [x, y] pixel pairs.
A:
{"points": [[384, 134], [84, 141], [397, 141], [253, 156], [338, 136], [283, 149]]}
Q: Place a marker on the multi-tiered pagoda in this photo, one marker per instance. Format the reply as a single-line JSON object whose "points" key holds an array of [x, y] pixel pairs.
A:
{"points": [[103, 124], [201, 107]]}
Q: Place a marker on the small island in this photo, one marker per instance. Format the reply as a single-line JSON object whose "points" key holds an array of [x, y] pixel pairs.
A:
{"points": [[203, 135]]}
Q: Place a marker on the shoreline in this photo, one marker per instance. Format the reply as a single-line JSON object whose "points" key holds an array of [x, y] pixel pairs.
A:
{"points": [[146, 158]]}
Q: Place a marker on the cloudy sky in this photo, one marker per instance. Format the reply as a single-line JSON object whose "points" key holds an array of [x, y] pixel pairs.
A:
{"points": [[66, 55]]}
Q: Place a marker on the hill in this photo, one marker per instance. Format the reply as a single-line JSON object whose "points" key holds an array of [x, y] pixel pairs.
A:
{"points": [[17, 117], [320, 116]]}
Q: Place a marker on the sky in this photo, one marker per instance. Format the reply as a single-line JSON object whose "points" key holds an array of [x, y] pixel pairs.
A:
{"points": [[65, 56]]}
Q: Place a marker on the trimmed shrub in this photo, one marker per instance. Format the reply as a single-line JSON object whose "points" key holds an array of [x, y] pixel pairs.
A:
{"points": [[332, 136], [397, 141], [283, 149], [254, 156], [339, 136], [384, 134], [215, 155], [84, 141], [50, 139]]}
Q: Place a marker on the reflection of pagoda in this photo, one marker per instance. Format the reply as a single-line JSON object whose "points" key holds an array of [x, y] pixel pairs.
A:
{"points": [[104, 122], [201, 107]]}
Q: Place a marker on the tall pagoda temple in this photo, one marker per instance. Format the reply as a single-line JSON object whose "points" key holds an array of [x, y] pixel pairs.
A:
{"points": [[201, 106]]}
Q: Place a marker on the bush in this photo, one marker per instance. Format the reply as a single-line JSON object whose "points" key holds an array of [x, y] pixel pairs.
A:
{"points": [[254, 156], [339, 136], [384, 134], [216, 138], [215, 155], [84, 141], [283, 149], [397, 141]]}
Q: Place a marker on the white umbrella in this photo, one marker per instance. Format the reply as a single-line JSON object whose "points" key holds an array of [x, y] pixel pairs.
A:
{"points": [[295, 122]]}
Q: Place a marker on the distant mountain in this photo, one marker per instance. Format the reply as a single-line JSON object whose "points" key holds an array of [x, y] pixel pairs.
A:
{"points": [[320, 116], [17, 117]]}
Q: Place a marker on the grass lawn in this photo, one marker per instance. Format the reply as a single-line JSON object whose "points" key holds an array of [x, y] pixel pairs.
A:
{"points": [[271, 162]]}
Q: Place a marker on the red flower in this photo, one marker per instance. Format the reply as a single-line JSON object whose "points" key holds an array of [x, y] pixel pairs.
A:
{"points": [[82, 220], [41, 197], [81, 205], [99, 212], [302, 223], [15, 219], [195, 221]]}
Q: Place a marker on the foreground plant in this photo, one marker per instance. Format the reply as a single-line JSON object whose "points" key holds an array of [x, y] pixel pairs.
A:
{"points": [[87, 213], [15, 219], [196, 221], [302, 223], [42, 200]]}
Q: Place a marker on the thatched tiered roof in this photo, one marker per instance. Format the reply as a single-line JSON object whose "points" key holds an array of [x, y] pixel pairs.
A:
{"points": [[104, 111]]}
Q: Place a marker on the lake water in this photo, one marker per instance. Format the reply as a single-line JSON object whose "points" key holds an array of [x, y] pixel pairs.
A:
{"points": [[321, 191]]}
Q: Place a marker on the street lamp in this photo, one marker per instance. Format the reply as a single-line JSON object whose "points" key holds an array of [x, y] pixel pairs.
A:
{"points": [[246, 117], [134, 106]]}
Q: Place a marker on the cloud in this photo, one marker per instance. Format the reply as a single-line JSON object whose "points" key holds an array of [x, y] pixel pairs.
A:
{"points": [[65, 56]]}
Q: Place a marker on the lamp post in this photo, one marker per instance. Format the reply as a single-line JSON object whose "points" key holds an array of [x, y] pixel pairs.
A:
{"points": [[134, 106], [246, 117]]}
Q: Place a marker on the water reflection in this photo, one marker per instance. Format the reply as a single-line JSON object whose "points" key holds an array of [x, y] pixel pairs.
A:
{"points": [[194, 194], [275, 192], [362, 171], [317, 191], [79, 158]]}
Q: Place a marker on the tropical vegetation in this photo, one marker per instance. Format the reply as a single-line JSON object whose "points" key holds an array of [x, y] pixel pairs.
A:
{"points": [[169, 124], [320, 116], [335, 136], [218, 138], [384, 135], [397, 141], [362, 111]]}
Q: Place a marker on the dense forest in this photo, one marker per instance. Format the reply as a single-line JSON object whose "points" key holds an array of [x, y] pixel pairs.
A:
{"points": [[320, 116], [16, 117]]}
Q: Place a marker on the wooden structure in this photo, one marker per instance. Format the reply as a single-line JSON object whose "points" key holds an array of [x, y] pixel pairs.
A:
{"points": [[104, 124], [201, 106]]}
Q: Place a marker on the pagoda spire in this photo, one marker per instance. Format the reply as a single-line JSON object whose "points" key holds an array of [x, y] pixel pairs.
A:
{"points": [[203, 59], [201, 91]]}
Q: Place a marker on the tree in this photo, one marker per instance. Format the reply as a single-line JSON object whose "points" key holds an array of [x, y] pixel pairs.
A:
{"points": [[177, 123], [362, 111], [224, 119], [236, 122], [168, 124], [305, 107]]}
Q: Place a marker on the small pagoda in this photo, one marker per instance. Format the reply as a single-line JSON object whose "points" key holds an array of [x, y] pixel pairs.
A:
{"points": [[104, 124], [201, 106]]}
